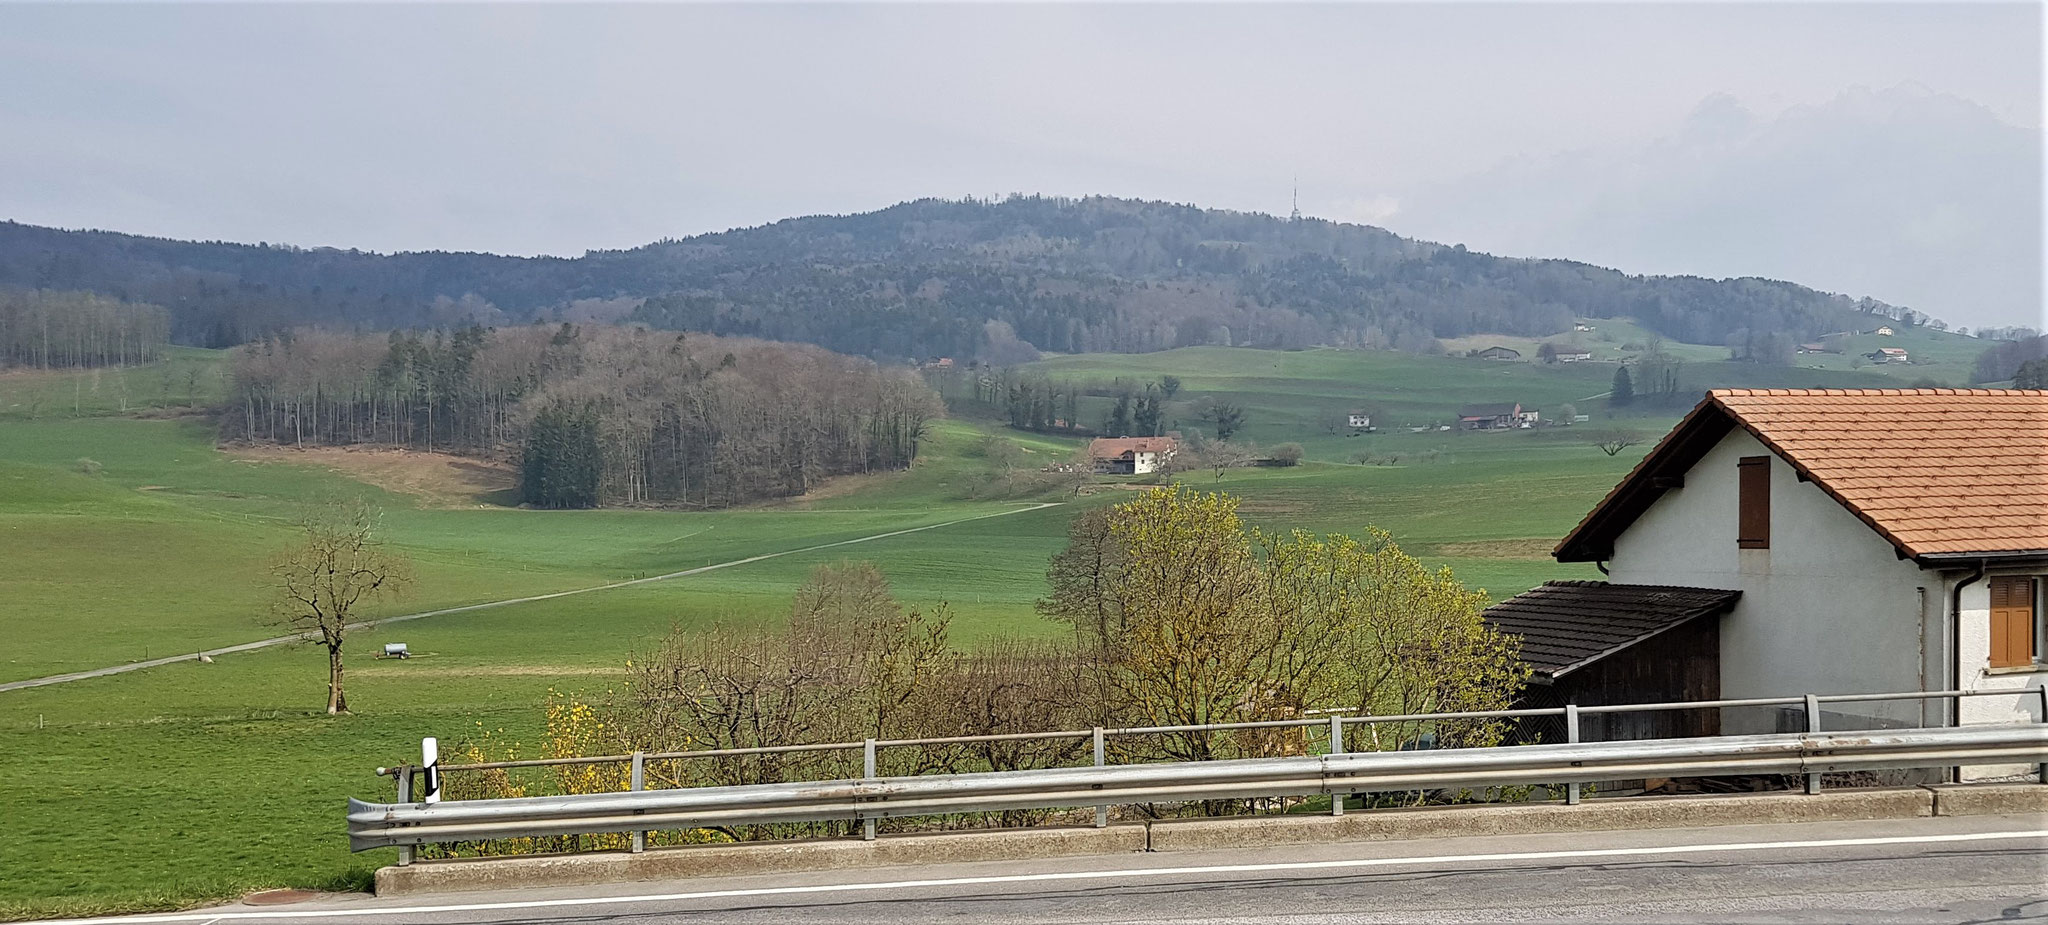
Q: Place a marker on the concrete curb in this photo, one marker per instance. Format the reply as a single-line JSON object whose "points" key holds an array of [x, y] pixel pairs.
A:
{"points": [[1675, 812], [1200, 834], [1989, 799], [689, 861]]}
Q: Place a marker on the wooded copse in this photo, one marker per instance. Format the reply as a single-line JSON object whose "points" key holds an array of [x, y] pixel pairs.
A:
{"points": [[49, 329], [594, 415]]}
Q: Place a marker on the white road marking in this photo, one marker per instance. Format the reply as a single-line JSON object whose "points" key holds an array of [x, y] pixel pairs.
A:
{"points": [[210, 917], [281, 640]]}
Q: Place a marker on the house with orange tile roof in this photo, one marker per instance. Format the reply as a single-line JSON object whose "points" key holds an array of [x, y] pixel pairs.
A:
{"points": [[1880, 540], [1131, 455]]}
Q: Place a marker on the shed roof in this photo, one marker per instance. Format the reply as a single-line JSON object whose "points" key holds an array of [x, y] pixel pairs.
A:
{"points": [[1490, 411], [1936, 472], [1567, 625]]}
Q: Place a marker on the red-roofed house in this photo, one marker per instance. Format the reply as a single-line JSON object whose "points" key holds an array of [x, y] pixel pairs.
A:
{"points": [[1131, 455], [1882, 540]]}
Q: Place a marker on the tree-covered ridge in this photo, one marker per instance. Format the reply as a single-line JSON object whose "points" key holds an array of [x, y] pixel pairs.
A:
{"points": [[936, 277], [594, 415]]}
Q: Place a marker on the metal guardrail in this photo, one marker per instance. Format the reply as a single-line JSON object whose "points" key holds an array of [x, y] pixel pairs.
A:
{"points": [[869, 798], [377, 826]]}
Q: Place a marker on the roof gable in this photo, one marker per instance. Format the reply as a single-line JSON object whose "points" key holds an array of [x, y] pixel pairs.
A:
{"points": [[1936, 472]]}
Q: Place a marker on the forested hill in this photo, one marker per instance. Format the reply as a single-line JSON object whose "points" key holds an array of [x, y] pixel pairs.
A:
{"points": [[941, 278]]}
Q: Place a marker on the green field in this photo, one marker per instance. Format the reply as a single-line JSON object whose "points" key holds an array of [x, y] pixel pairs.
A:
{"points": [[193, 781]]}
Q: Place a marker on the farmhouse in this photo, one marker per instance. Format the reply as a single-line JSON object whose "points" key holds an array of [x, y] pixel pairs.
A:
{"points": [[1496, 417], [1574, 356], [1888, 355], [1775, 543], [1499, 353], [1884, 332], [1358, 420], [1131, 455], [1818, 348]]}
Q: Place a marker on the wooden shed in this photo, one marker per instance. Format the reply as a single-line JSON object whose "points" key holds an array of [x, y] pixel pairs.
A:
{"points": [[1593, 644]]}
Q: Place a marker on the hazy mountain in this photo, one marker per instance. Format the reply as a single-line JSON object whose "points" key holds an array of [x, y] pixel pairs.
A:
{"points": [[938, 277], [1920, 199]]}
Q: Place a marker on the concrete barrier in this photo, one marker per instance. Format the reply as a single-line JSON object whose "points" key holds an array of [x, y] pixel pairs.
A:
{"points": [[683, 863], [1675, 812], [1990, 799]]}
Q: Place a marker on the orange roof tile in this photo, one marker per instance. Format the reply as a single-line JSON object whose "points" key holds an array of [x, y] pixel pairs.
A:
{"points": [[1933, 471], [1112, 447]]}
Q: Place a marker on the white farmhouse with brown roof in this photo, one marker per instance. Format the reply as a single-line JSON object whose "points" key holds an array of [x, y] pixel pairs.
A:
{"points": [[1881, 540], [1131, 455]]}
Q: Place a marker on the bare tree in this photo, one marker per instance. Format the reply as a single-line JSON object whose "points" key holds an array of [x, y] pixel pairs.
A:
{"points": [[1614, 441], [335, 567], [1218, 456]]}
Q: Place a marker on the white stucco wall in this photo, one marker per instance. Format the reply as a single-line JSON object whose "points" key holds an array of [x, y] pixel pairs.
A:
{"points": [[1829, 608], [1979, 676]]}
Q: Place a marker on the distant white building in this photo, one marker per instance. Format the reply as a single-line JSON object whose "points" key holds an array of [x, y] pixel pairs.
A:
{"points": [[1884, 332], [1359, 421]]}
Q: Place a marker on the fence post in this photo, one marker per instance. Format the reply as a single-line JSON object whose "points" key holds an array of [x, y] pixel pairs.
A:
{"points": [[867, 827], [1571, 736], [639, 783], [1101, 809], [404, 776], [1812, 726], [1336, 748]]}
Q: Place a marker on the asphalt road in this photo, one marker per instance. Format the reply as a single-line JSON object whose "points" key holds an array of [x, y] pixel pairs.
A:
{"points": [[281, 640], [1969, 869]]}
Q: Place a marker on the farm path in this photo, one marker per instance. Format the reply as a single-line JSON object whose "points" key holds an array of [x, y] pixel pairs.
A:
{"points": [[281, 640]]}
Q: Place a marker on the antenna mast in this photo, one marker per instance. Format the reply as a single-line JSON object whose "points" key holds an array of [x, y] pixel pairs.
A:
{"points": [[1295, 216]]}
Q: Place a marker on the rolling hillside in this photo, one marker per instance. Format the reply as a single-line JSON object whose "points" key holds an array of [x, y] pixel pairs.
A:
{"points": [[994, 280]]}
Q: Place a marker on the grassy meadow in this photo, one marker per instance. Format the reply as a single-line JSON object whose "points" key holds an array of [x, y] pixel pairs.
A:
{"points": [[131, 535]]}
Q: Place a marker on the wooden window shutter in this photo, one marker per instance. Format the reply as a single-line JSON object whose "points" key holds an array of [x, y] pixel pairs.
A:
{"points": [[1753, 488], [2012, 621]]}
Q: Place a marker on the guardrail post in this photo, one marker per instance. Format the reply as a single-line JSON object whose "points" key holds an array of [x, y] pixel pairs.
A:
{"points": [[430, 765], [639, 783], [1336, 748], [1571, 736], [404, 776], [1812, 726], [867, 826], [2043, 692], [1101, 754]]}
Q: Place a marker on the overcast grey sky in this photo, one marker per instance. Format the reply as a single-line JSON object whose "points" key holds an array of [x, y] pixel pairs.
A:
{"points": [[554, 129]]}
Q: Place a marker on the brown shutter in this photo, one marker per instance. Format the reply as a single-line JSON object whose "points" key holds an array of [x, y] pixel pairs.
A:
{"points": [[1753, 520], [2012, 621]]}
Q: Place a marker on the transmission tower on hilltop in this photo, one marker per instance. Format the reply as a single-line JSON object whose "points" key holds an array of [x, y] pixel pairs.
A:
{"points": [[1295, 215]]}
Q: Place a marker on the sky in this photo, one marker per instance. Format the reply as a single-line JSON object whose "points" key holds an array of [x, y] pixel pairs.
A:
{"points": [[1653, 137]]}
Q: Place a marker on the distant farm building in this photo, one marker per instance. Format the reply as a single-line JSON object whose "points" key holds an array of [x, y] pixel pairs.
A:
{"points": [[1888, 355], [1884, 332], [1499, 353], [1496, 417], [1359, 421], [1131, 455], [1574, 356], [1582, 327], [1818, 348]]}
